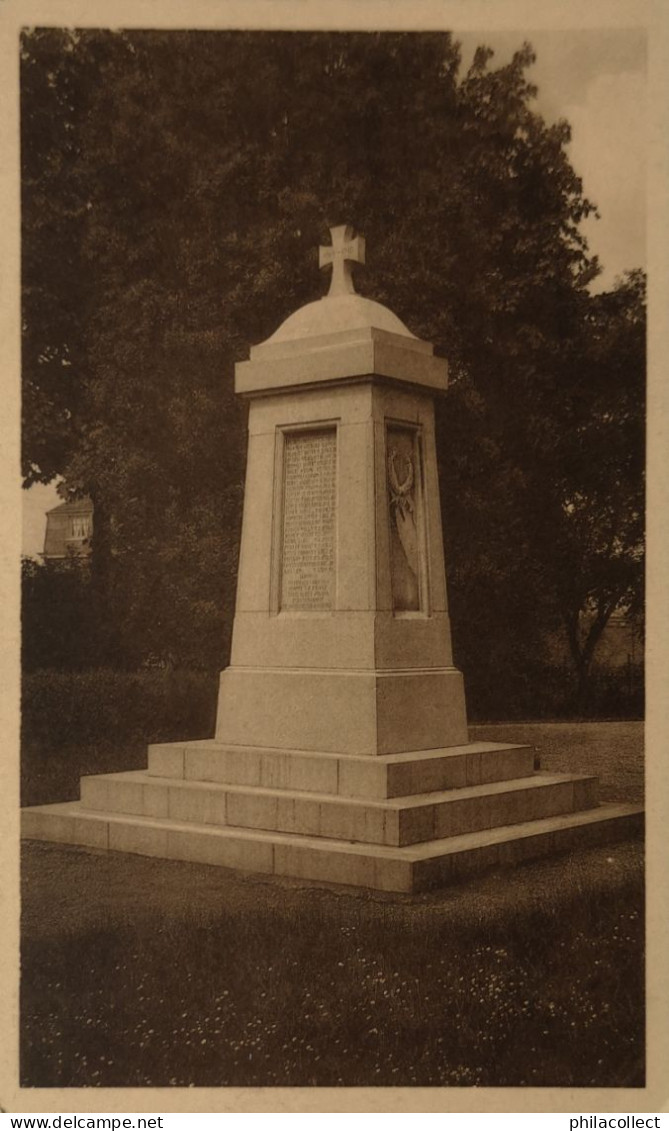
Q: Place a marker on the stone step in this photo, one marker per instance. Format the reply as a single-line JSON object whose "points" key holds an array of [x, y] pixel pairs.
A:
{"points": [[380, 776], [409, 869], [393, 821]]}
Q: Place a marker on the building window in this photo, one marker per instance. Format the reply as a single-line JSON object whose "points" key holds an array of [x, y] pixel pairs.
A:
{"points": [[80, 527]]}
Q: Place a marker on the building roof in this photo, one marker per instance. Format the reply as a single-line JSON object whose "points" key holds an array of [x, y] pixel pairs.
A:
{"points": [[77, 506]]}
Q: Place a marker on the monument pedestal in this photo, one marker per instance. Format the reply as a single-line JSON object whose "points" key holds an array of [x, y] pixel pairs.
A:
{"points": [[398, 822], [341, 750]]}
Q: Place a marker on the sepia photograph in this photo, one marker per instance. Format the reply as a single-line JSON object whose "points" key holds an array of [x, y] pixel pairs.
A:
{"points": [[332, 587]]}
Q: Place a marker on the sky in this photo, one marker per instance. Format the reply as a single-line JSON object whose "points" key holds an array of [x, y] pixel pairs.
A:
{"points": [[596, 79]]}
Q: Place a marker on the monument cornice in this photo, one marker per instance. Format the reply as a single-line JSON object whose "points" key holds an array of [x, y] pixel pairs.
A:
{"points": [[366, 353]]}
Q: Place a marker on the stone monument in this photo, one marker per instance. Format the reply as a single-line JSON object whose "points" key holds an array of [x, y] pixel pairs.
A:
{"points": [[341, 750]]}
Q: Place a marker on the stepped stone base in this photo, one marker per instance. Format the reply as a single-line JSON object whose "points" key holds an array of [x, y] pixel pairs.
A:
{"points": [[413, 868], [397, 822], [346, 775]]}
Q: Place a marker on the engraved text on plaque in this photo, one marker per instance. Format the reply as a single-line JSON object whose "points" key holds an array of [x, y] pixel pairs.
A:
{"points": [[308, 535]]}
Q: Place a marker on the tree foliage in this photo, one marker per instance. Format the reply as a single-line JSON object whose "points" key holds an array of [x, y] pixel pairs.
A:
{"points": [[591, 539], [176, 187]]}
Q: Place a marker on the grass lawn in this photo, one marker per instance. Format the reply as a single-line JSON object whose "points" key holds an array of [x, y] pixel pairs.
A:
{"points": [[613, 751], [141, 972]]}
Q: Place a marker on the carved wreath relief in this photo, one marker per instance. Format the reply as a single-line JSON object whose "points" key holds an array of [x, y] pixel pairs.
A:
{"points": [[405, 519]]}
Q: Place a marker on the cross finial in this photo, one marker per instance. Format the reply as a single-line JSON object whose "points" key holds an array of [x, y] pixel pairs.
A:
{"points": [[346, 249]]}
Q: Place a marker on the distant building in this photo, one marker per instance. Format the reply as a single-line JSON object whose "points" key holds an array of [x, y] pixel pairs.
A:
{"points": [[69, 527], [620, 644]]}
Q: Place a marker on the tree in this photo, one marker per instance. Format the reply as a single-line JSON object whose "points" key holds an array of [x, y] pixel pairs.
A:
{"points": [[58, 72], [591, 539], [202, 171]]}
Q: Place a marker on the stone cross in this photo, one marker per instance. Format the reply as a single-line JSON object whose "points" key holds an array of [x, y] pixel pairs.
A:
{"points": [[346, 249]]}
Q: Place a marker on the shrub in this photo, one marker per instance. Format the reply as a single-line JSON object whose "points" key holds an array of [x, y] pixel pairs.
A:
{"points": [[101, 720], [60, 620], [548, 691]]}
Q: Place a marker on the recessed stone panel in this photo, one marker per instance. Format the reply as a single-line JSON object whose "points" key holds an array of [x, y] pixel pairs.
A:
{"points": [[407, 520], [309, 513]]}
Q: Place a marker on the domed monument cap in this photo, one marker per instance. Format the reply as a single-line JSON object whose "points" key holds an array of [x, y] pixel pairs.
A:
{"points": [[342, 336], [341, 308]]}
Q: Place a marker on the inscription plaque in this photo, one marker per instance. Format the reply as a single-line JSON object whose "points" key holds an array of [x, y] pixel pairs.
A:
{"points": [[308, 534]]}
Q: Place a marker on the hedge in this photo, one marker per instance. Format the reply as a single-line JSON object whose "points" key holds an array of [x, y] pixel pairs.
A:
{"points": [[548, 691], [101, 720]]}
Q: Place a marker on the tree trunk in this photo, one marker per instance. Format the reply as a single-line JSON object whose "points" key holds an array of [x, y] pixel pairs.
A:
{"points": [[583, 687], [583, 651], [101, 565]]}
